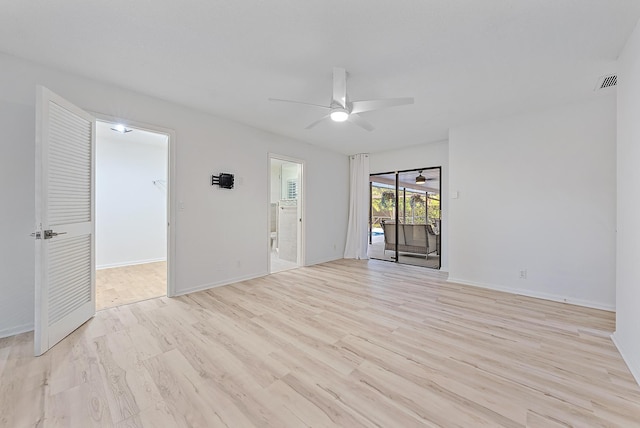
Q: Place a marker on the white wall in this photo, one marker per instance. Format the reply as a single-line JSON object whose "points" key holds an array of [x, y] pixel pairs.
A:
{"points": [[221, 235], [537, 192], [627, 335], [17, 183], [422, 156], [131, 211]]}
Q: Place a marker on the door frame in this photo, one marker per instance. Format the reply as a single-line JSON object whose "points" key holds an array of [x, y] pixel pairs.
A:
{"points": [[397, 211], [301, 208], [171, 194]]}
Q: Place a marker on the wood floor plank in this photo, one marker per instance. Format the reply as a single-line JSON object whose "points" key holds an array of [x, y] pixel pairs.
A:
{"points": [[84, 405], [350, 395], [325, 402], [306, 412], [180, 385], [23, 384], [347, 343], [127, 284], [122, 401]]}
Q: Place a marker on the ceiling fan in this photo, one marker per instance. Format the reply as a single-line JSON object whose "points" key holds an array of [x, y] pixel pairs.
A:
{"points": [[420, 179], [342, 109]]}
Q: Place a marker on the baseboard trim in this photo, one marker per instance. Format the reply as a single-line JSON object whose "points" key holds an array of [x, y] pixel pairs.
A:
{"points": [[211, 285], [634, 366], [12, 331], [327, 260], [229, 281], [536, 294], [133, 263]]}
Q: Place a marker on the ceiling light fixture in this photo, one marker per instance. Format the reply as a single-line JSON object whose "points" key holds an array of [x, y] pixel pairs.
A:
{"points": [[420, 179], [339, 114], [121, 129]]}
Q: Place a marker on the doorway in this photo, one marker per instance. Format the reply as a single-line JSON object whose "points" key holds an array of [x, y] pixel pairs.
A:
{"points": [[405, 219], [131, 188], [285, 213]]}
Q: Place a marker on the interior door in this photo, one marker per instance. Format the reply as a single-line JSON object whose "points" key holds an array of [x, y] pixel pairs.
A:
{"points": [[300, 195], [65, 226]]}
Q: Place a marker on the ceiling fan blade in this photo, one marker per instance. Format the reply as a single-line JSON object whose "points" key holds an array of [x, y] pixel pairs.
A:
{"points": [[340, 86], [297, 102], [316, 122], [354, 118], [369, 105]]}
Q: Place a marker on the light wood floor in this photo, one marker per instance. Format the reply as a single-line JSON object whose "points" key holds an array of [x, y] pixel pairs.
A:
{"points": [[347, 343], [128, 284], [376, 251], [278, 265]]}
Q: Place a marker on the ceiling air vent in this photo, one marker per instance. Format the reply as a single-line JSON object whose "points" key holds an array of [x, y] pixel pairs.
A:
{"points": [[606, 81]]}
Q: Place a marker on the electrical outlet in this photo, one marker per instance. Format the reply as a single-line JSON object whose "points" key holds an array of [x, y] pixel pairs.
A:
{"points": [[523, 274]]}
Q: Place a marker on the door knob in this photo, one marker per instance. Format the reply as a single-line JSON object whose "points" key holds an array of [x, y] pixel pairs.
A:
{"points": [[48, 234]]}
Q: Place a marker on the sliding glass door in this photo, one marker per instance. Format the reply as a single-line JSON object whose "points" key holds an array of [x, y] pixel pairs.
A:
{"points": [[404, 223]]}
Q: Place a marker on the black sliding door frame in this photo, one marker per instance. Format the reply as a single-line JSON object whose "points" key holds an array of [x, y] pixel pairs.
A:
{"points": [[397, 210]]}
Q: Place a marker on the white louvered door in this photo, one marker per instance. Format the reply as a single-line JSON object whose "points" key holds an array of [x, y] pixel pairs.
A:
{"points": [[65, 226]]}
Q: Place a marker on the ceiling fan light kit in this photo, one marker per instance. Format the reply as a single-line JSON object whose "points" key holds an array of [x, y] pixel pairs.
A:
{"points": [[420, 179], [341, 109], [121, 129], [339, 114]]}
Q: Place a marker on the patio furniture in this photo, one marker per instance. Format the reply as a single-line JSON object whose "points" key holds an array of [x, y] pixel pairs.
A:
{"points": [[413, 238]]}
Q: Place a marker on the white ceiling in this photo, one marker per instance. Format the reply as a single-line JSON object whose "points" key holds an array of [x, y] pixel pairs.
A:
{"points": [[462, 60], [136, 136]]}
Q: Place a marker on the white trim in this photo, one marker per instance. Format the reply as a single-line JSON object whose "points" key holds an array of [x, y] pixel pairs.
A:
{"points": [[303, 219], [269, 213], [171, 186], [301, 239], [242, 278], [634, 366], [325, 260], [230, 281], [130, 263], [18, 329], [537, 295]]}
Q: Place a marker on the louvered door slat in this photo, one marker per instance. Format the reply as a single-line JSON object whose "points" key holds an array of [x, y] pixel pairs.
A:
{"points": [[65, 264], [68, 138]]}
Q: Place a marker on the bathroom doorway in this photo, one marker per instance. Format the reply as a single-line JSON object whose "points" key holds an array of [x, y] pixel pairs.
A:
{"points": [[285, 213]]}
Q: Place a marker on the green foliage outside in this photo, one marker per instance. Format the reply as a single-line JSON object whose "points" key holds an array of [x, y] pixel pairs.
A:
{"points": [[412, 209]]}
